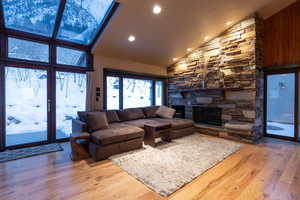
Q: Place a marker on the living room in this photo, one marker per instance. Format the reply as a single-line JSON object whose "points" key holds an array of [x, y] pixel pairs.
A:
{"points": [[128, 99]]}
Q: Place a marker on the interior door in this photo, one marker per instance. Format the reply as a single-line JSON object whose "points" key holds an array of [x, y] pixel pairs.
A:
{"points": [[26, 106]]}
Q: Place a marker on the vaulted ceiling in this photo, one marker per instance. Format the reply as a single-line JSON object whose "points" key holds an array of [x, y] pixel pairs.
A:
{"points": [[182, 24]]}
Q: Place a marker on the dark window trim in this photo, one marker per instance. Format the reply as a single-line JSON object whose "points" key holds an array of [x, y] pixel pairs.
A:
{"points": [[283, 70], [133, 75], [52, 54], [58, 19], [2, 108], [130, 74]]}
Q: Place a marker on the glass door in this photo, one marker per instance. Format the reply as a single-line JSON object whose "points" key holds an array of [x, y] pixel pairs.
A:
{"points": [[25, 106], [281, 105], [70, 98]]}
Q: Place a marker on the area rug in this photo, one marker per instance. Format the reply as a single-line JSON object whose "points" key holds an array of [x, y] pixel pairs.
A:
{"points": [[28, 152], [169, 167]]}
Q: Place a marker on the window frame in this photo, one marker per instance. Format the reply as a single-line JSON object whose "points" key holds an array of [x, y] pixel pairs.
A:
{"points": [[107, 72], [87, 55], [27, 40], [53, 38], [51, 66]]}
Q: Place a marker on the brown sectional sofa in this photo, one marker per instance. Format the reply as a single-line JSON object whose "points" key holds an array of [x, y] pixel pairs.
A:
{"points": [[125, 132]]}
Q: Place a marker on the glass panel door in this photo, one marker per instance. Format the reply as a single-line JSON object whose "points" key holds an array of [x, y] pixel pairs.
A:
{"points": [[70, 98], [26, 105], [281, 104]]}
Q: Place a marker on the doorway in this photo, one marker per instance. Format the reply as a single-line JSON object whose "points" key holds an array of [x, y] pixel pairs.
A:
{"points": [[26, 106], [281, 96], [40, 104]]}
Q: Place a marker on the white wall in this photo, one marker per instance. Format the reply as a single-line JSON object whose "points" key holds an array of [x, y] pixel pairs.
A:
{"points": [[101, 62]]}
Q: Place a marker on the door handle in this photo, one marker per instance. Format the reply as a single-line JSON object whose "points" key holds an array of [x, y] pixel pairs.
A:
{"points": [[49, 105]]}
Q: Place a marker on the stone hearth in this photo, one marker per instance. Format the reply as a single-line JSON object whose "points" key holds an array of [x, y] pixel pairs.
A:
{"points": [[224, 73]]}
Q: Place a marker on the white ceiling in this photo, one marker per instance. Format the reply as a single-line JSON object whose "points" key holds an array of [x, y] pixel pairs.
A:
{"points": [[182, 24]]}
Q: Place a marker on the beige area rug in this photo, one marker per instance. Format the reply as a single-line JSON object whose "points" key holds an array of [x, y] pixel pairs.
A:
{"points": [[169, 167]]}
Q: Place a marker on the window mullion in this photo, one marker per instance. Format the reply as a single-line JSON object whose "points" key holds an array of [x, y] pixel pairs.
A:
{"points": [[153, 93], [121, 93]]}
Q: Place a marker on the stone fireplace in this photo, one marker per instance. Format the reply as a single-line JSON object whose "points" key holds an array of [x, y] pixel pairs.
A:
{"points": [[221, 83], [207, 115]]}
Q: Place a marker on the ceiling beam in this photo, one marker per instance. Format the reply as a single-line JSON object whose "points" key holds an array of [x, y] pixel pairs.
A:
{"points": [[58, 18], [106, 21]]}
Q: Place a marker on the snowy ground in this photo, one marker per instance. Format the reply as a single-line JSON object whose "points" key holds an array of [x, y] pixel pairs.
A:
{"points": [[281, 129]]}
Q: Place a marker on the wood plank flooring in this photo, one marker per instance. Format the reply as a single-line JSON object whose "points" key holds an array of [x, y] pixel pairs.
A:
{"points": [[268, 170]]}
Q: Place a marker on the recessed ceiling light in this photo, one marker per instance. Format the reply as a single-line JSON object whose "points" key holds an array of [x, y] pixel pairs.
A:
{"points": [[175, 59], [156, 9], [189, 49], [206, 38], [131, 38], [228, 23]]}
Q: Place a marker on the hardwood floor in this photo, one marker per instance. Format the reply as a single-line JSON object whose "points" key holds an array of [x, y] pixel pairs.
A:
{"points": [[268, 170]]}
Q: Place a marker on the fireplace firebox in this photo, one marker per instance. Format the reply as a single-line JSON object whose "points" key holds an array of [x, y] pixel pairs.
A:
{"points": [[180, 111], [207, 115]]}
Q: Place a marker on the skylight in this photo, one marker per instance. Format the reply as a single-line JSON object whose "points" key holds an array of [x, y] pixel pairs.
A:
{"points": [[75, 21], [35, 16], [82, 20]]}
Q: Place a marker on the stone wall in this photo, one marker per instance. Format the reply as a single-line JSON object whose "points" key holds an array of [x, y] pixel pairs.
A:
{"points": [[227, 69]]}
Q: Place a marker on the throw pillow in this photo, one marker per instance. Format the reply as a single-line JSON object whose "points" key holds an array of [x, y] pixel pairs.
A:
{"points": [[96, 121], [150, 112], [165, 112], [112, 116]]}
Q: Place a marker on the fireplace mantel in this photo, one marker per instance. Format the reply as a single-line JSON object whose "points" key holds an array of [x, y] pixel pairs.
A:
{"points": [[184, 92], [204, 89]]}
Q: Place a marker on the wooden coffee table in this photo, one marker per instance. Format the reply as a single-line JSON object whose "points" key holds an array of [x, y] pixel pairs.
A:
{"points": [[157, 129]]}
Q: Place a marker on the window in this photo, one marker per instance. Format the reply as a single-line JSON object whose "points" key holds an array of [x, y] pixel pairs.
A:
{"points": [[137, 93], [70, 98], [73, 57], [113, 92], [27, 50], [158, 93], [31, 16], [82, 20], [127, 90]]}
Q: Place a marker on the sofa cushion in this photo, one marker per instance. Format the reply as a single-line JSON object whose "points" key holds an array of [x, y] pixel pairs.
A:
{"points": [[131, 114], [117, 132], [177, 123], [96, 121], [139, 122], [150, 112], [112, 116], [165, 112]]}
